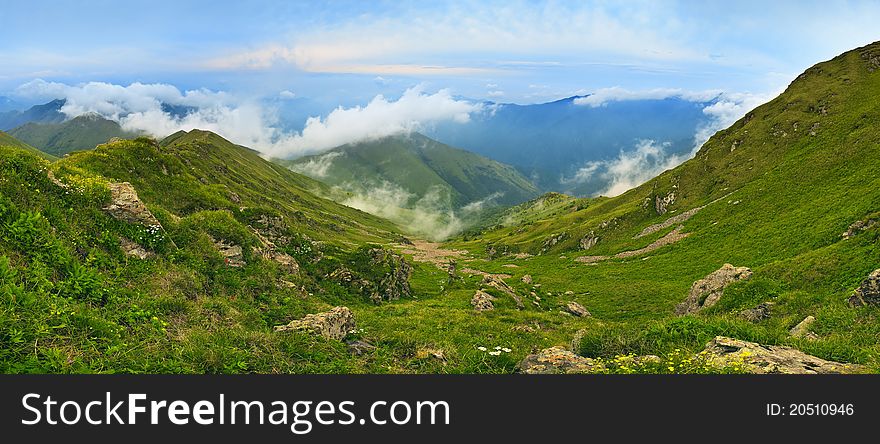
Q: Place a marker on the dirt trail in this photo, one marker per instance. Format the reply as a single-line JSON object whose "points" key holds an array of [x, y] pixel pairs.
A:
{"points": [[430, 252]]}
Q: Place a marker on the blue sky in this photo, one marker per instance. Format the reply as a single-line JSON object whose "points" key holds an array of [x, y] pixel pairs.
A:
{"points": [[346, 52]]}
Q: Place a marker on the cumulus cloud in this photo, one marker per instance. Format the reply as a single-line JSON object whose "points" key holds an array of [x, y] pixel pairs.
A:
{"points": [[379, 118], [287, 94], [139, 107]]}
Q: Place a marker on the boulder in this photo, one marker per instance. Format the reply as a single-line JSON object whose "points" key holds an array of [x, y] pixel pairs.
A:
{"points": [[803, 328], [134, 249], [757, 314], [482, 301], [497, 283], [126, 206], [360, 348], [868, 292], [707, 291], [334, 324], [761, 359], [527, 279], [555, 360], [859, 226], [233, 255], [589, 241], [577, 309], [395, 282], [661, 204]]}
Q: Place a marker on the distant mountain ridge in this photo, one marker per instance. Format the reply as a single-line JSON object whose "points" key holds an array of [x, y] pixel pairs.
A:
{"points": [[80, 133]]}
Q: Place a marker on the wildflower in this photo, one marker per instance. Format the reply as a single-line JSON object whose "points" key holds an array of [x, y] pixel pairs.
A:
{"points": [[481, 348], [498, 348], [506, 350], [495, 353]]}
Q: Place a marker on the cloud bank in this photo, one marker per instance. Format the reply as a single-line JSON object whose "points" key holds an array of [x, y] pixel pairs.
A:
{"points": [[649, 158], [139, 107]]}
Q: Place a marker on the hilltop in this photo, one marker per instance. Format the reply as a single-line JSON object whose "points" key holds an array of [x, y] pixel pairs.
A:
{"points": [[7, 140], [80, 133]]}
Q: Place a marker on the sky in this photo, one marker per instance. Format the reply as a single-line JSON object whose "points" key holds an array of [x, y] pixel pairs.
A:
{"points": [[446, 57]]}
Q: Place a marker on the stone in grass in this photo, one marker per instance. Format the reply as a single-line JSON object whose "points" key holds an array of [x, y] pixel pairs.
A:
{"points": [[360, 348], [761, 359], [707, 291], [802, 330], [757, 314], [868, 292], [482, 301], [577, 309], [333, 324], [556, 360]]}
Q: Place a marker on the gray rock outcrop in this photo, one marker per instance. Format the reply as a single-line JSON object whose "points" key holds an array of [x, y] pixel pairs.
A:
{"points": [[707, 292], [334, 324]]}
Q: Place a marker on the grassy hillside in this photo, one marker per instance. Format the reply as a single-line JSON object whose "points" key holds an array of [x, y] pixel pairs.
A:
{"points": [[778, 189], [7, 140], [80, 133], [420, 166]]}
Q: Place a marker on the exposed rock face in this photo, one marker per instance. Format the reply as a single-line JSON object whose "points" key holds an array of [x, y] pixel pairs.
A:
{"points": [[661, 204], [757, 358], [555, 360], [858, 227], [482, 301], [127, 207], [133, 249], [232, 254], [707, 291], [868, 292], [551, 241], [757, 314], [577, 309], [395, 282], [333, 324], [589, 241], [497, 283], [803, 328]]}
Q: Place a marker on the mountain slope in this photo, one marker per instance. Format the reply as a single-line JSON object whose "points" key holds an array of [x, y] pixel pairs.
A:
{"points": [[80, 133], [7, 140], [419, 165], [774, 192]]}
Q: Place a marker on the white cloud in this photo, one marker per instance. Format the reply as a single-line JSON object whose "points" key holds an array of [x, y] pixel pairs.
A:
{"points": [[287, 94], [495, 93], [317, 167], [379, 118], [138, 107], [616, 94], [650, 158]]}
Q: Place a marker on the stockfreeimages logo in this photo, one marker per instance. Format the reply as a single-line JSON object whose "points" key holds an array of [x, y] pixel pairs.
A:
{"points": [[299, 416]]}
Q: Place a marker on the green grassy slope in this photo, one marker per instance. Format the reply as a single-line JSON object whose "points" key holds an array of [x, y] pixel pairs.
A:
{"points": [[7, 140], [418, 165], [79, 133], [780, 186]]}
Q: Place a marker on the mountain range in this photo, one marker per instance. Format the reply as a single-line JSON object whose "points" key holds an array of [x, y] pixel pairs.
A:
{"points": [[192, 254]]}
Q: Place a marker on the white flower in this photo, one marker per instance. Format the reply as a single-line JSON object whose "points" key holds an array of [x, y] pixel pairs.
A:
{"points": [[498, 348], [495, 353], [482, 349], [505, 350]]}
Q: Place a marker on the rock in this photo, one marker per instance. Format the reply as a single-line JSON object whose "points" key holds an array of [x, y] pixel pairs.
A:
{"points": [[395, 283], [761, 359], [429, 352], [569, 293], [232, 254], [482, 301], [127, 207], [333, 324], [134, 249], [499, 284], [551, 241], [555, 360], [661, 204], [589, 241], [707, 291], [360, 348], [857, 227], [757, 314], [803, 328], [868, 292], [577, 309], [527, 279]]}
